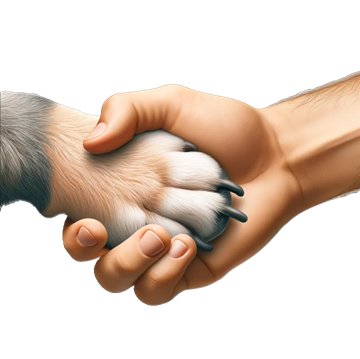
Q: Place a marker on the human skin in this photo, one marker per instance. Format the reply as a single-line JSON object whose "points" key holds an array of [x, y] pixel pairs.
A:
{"points": [[288, 157]]}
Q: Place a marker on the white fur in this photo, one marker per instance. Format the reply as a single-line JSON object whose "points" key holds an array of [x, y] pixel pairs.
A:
{"points": [[196, 209], [193, 170]]}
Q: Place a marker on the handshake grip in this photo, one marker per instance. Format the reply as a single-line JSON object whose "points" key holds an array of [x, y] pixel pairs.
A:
{"points": [[156, 178]]}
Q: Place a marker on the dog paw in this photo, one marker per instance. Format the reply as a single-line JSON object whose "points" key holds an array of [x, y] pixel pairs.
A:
{"points": [[183, 190]]}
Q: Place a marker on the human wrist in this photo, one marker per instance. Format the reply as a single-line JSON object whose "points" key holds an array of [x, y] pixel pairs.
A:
{"points": [[319, 135]]}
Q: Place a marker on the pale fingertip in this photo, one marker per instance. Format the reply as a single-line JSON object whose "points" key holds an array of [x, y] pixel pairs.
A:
{"points": [[151, 244], [177, 249], [86, 238], [182, 245]]}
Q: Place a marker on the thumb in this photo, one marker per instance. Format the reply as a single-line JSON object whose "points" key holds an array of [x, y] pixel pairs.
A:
{"points": [[127, 114]]}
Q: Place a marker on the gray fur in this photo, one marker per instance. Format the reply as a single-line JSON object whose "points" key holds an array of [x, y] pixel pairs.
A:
{"points": [[25, 169]]}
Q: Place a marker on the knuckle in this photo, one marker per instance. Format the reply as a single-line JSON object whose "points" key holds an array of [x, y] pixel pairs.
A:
{"points": [[174, 90], [157, 279], [123, 266], [149, 297], [154, 289]]}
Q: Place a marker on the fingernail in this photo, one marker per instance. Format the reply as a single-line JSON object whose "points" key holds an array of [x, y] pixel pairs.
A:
{"points": [[151, 244], [86, 238], [178, 249], [97, 131]]}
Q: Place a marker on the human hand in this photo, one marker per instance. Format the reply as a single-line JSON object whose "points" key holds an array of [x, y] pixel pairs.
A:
{"points": [[143, 260], [243, 142]]}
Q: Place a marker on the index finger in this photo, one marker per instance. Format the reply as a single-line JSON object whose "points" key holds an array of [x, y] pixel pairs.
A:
{"points": [[118, 269]]}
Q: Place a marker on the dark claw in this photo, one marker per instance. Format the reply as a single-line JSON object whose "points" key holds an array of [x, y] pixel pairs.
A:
{"points": [[231, 186], [203, 246], [188, 146], [234, 213]]}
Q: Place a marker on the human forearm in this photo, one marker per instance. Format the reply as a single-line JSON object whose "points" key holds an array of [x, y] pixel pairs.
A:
{"points": [[319, 135]]}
